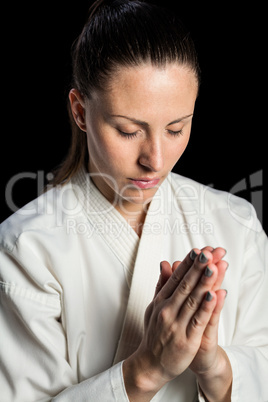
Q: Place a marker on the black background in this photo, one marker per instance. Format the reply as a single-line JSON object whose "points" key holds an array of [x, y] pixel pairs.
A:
{"points": [[228, 142]]}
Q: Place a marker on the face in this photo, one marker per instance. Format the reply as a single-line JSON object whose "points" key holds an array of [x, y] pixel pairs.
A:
{"points": [[137, 130]]}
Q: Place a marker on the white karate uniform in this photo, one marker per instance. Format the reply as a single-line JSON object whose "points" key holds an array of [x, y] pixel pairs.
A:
{"points": [[75, 280]]}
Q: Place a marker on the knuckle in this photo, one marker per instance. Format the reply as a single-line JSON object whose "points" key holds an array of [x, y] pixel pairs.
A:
{"points": [[171, 333], [197, 266], [196, 323], [207, 307], [163, 316], [175, 278], [192, 303], [184, 287], [158, 300]]}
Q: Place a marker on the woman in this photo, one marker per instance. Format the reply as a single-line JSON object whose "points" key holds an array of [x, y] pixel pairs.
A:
{"points": [[85, 315]]}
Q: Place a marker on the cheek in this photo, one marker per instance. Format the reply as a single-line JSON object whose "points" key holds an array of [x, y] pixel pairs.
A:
{"points": [[108, 154], [175, 152]]}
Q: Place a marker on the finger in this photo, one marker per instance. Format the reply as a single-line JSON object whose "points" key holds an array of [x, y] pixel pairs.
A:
{"points": [[191, 280], [211, 331], [178, 274], [222, 268], [195, 298], [218, 254], [165, 273], [194, 252], [175, 265], [209, 248], [201, 318], [158, 286], [215, 318]]}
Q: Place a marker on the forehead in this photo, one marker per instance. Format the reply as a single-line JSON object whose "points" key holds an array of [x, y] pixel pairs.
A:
{"points": [[149, 89]]}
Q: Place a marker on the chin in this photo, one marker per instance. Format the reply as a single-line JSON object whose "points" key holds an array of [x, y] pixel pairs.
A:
{"points": [[143, 199]]}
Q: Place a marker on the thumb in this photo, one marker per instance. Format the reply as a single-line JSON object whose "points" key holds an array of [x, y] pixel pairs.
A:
{"points": [[165, 274], [175, 265]]}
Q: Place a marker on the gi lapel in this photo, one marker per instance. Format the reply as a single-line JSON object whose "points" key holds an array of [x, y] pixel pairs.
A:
{"points": [[107, 221], [145, 277], [125, 243]]}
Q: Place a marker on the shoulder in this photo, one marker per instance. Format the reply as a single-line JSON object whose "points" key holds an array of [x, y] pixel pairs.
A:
{"points": [[36, 249], [185, 187], [46, 214], [198, 199]]}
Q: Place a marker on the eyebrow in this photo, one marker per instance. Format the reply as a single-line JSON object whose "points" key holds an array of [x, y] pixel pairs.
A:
{"points": [[144, 123]]}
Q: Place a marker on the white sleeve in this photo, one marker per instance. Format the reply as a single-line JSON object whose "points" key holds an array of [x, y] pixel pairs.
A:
{"points": [[248, 352], [107, 386], [33, 349]]}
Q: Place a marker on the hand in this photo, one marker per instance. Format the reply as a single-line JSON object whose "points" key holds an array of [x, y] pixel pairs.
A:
{"points": [[174, 323], [207, 355], [211, 365], [218, 253], [209, 345]]}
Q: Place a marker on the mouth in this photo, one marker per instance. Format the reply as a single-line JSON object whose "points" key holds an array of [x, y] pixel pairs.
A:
{"points": [[145, 183]]}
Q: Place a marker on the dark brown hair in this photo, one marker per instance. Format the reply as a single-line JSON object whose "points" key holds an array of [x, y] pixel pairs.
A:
{"points": [[121, 33]]}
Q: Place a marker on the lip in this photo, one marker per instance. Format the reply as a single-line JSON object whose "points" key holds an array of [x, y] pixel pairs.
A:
{"points": [[145, 182]]}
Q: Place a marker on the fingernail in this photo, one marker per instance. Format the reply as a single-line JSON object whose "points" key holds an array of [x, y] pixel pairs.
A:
{"points": [[202, 258], [209, 296], [208, 272], [226, 293], [160, 267], [193, 255]]}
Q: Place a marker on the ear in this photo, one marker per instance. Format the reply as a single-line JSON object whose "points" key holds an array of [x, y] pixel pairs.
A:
{"points": [[78, 108]]}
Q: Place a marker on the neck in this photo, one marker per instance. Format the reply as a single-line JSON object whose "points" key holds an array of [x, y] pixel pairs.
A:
{"points": [[134, 216]]}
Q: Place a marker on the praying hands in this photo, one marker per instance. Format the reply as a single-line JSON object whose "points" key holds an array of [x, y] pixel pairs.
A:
{"points": [[181, 327]]}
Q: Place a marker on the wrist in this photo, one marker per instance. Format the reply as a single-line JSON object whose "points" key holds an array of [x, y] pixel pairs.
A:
{"points": [[216, 383], [142, 380]]}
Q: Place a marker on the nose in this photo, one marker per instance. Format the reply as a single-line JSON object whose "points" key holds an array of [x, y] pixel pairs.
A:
{"points": [[152, 154]]}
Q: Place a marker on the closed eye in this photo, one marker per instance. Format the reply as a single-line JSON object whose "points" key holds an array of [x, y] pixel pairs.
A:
{"points": [[128, 135], [175, 133], [132, 135]]}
